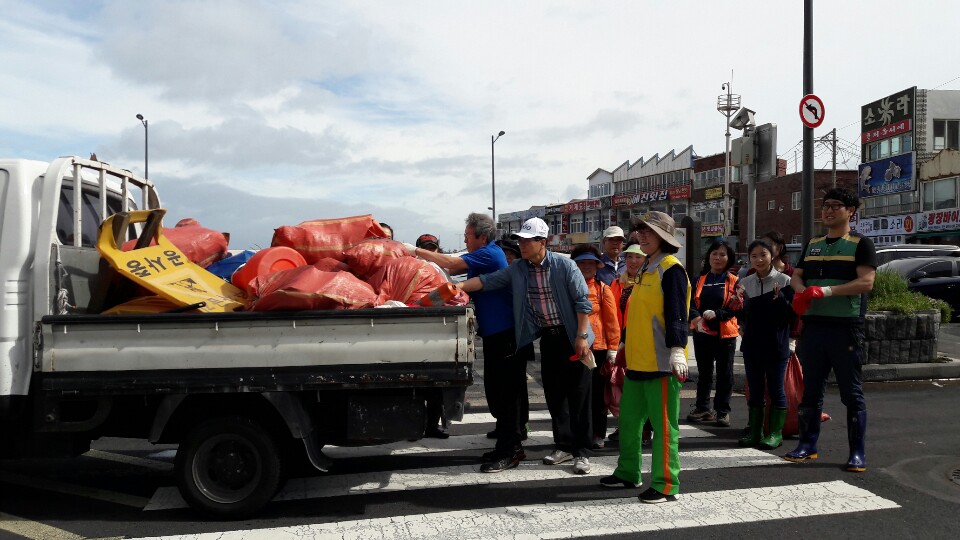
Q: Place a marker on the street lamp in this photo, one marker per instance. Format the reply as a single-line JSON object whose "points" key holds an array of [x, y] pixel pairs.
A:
{"points": [[727, 104], [493, 178], [146, 139]]}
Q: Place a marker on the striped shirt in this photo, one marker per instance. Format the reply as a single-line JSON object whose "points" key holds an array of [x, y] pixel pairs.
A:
{"points": [[540, 295]]}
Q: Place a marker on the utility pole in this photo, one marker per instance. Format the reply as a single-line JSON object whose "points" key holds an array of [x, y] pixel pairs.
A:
{"points": [[834, 175], [806, 197], [727, 104]]}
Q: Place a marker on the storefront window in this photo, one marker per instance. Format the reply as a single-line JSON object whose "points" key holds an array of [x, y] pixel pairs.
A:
{"points": [[940, 194]]}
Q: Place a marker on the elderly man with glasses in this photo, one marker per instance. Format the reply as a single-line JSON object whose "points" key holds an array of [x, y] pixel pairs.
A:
{"points": [[832, 279], [550, 302]]}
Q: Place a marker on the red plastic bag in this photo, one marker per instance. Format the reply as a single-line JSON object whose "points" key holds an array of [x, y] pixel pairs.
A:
{"points": [[613, 388], [406, 280], [327, 237], [369, 256], [201, 245], [793, 388], [331, 265], [308, 287]]}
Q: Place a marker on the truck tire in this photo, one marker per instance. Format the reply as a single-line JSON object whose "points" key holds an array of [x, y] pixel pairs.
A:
{"points": [[228, 467]]}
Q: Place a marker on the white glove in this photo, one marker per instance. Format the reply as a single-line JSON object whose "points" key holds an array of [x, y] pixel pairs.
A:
{"points": [[792, 344], [678, 363], [410, 248], [612, 356], [827, 291], [709, 315]]}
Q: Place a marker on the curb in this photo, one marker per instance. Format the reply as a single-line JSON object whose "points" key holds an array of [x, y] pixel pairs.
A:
{"points": [[871, 373]]}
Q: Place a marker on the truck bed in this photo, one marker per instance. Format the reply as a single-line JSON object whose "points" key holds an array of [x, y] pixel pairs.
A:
{"points": [[256, 351]]}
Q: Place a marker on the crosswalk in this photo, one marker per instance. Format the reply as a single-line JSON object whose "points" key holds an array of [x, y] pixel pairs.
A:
{"points": [[613, 512]]}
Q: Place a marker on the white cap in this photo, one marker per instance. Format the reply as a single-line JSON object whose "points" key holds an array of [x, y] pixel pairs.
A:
{"points": [[532, 228], [613, 232]]}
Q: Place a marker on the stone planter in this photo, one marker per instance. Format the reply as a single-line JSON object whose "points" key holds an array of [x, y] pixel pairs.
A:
{"points": [[901, 338]]}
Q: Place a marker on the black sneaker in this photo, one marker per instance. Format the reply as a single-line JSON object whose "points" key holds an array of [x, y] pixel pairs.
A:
{"points": [[615, 436], [613, 481], [495, 455], [723, 419], [435, 433], [492, 434], [652, 496], [504, 463]]}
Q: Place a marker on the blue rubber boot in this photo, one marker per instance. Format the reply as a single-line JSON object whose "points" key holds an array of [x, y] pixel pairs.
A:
{"points": [[809, 420], [856, 435]]}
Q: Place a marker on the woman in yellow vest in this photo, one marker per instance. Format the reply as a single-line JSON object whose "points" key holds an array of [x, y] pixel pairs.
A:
{"points": [[655, 347], [714, 323]]}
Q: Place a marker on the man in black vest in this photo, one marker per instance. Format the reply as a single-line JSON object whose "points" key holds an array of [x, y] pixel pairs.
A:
{"points": [[832, 280]]}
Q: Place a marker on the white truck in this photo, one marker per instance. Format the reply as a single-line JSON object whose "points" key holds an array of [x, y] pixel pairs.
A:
{"points": [[244, 394]]}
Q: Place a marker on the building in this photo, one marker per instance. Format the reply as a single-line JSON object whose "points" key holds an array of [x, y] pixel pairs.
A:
{"points": [[778, 203], [903, 134], [661, 184], [707, 201]]}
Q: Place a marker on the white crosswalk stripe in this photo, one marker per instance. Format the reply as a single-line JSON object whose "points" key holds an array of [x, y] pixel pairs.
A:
{"points": [[580, 516], [592, 517], [470, 475]]}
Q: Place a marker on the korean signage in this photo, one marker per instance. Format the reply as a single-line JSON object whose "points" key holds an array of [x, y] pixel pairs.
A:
{"points": [[885, 176], [624, 201], [886, 225], [682, 192], [711, 229], [620, 201], [713, 193], [890, 110], [939, 220], [581, 206], [896, 128], [553, 210]]}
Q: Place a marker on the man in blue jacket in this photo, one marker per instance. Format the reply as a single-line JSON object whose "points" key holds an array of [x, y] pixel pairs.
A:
{"points": [[550, 303], [504, 364]]}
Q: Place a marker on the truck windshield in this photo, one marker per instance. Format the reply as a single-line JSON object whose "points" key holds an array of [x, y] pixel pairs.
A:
{"points": [[90, 200]]}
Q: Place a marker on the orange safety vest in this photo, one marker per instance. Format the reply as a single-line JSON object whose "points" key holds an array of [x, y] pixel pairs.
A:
{"points": [[728, 328]]}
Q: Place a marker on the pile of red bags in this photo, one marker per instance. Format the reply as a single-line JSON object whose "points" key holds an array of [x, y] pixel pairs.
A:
{"points": [[332, 238], [349, 265]]}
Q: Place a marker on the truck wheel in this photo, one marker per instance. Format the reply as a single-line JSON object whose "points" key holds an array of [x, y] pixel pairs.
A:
{"points": [[228, 467]]}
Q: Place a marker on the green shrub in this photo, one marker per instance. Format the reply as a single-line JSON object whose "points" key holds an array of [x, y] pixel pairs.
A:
{"points": [[891, 293]]}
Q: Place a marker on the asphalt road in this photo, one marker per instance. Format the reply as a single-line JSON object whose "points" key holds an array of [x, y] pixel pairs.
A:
{"points": [[122, 488]]}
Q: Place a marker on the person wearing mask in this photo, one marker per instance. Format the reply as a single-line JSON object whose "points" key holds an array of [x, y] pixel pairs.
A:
{"points": [[715, 333], [551, 303], [606, 328], [505, 375], [832, 279], [766, 316], [656, 356], [612, 257]]}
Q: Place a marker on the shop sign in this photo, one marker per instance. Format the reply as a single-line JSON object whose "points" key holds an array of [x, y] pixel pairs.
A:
{"points": [[711, 229], [553, 210], [581, 206], [888, 175], [681, 192], [886, 225], [623, 201], [897, 128], [713, 193], [939, 220], [888, 111]]}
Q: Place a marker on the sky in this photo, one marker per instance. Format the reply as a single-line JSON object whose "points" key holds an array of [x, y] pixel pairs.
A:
{"points": [[263, 114]]}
